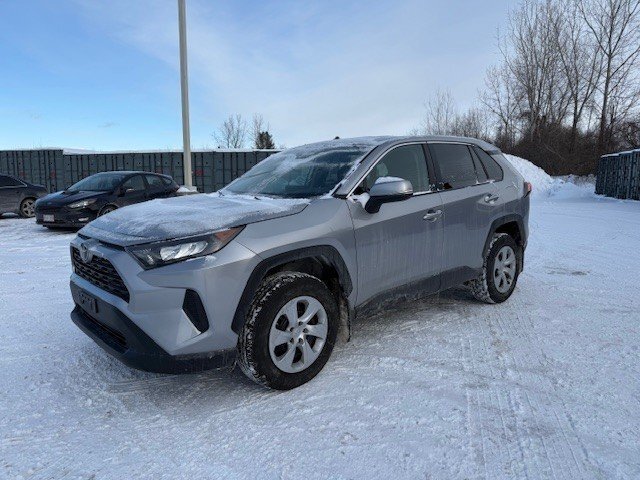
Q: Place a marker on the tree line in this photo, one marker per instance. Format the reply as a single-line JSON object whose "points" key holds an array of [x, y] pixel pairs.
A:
{"points": [[566, 89]]}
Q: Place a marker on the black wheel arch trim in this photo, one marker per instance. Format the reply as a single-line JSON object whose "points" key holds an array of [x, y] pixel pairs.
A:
{"points": [[327, 252], [499, 222]]}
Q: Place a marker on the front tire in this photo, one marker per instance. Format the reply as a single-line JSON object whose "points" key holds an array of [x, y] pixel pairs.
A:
{"points": [[289, 332], [500, 270], [27, 208], [107, 209]]}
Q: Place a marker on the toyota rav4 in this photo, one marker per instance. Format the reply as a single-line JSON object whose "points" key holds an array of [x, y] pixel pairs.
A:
{"points": [[269, 270]]}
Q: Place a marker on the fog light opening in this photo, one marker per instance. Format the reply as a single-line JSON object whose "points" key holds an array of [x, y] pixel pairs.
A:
{"points": [[194, 309]]}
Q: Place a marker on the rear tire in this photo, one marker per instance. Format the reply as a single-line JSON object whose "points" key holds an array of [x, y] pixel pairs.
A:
{"points": [[500, 270], [281, 345], [27, 208]]}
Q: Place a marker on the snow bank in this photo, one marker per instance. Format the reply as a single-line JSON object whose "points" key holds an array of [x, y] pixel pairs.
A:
{"points": [[542, 182], [545, 186]]}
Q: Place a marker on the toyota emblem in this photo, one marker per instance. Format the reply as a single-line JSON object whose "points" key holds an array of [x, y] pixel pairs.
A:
{"points": [[85, 254]]}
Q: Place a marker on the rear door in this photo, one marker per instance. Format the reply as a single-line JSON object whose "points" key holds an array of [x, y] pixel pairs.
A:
{"points": [[509, 194], [402, 243], [155, 187], [135, 190], [10, 193], [470, 202]]}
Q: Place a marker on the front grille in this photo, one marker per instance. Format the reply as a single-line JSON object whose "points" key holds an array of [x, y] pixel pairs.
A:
{"points": [[101, 273], [48, 209]]}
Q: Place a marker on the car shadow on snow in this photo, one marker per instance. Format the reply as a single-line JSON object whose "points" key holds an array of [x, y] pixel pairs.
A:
{"points": [[58, 230], [454, 298], [115, 378], [29, 226], [95, 370]]}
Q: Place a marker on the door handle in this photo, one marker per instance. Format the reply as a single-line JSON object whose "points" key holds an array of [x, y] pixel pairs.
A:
{"points": [[432, 216], [491, 198]]}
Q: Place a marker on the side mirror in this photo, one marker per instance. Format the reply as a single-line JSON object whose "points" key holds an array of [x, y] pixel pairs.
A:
{"points": [[388, 189]]}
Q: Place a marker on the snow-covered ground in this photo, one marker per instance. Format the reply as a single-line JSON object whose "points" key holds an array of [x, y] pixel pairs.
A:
{"points": [[546, 385]]}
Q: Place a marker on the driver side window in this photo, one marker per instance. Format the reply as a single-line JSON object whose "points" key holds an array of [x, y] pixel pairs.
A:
{"points": [[407, 162]]}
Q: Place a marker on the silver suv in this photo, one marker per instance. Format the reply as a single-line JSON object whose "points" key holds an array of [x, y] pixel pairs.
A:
{"points": [[266, 272]]}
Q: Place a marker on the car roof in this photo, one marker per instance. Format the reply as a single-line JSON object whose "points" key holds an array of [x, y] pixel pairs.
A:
{"points": [[15, 177], [388, 140], [383, 144], [134, 172]]}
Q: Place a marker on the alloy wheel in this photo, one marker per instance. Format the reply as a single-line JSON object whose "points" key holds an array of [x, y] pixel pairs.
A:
{"points": [[298, 334], [28, 208], [504, 269]]}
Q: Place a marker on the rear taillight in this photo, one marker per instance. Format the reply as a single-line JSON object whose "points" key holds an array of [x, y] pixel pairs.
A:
{"points": [[527, 188]]}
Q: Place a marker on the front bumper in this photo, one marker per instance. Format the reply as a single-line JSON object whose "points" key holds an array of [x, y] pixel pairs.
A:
{"points": [[63, 217], [120, 337], [151, 322]]}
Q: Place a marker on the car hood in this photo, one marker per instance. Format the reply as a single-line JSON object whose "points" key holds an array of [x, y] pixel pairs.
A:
{"points": [[186, 216], [60, 199]]}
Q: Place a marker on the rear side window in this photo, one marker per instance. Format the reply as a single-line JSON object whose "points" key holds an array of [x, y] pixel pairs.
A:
{"points": [[154, 182], [494, 171], [481, 174], [407, 162], [135, 183], [167, 181], [6, 181], [457, 169]]}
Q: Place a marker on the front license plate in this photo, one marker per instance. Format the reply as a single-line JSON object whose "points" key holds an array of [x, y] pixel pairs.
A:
{"points": [[87, 302], [48, 218]]}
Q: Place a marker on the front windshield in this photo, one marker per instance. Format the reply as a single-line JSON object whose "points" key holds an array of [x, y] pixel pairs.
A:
{"points": [[100, 182], [301, 172]]}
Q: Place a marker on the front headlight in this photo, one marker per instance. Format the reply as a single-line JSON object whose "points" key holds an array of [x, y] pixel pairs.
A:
{"points": [[153, 255], [82, 203]]}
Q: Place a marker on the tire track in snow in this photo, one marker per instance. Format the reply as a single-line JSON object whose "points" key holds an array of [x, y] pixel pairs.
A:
{"points": [[554, 439], [492, 358]]}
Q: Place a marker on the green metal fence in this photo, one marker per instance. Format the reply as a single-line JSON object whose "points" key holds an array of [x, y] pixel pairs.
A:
{"points": [[58, 170], [619, 175]]}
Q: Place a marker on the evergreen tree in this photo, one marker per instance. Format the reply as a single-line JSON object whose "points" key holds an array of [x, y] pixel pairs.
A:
{"points": [[264, 141]]}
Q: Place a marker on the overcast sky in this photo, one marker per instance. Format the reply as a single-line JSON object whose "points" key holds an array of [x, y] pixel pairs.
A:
{"points": [[105, 74]]}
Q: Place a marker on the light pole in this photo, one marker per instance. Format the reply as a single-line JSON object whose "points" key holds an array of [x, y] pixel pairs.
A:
{"points": [[184, 89]]}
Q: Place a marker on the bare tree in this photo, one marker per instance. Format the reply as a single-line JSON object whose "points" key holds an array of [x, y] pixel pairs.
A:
{"points": [[258, 125], [441, 118], [567, 87], [615, 29], [473, 123], [531, 57], [440, 114], [232, 133], [502, 100], [630, 132], [581, 63]]}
